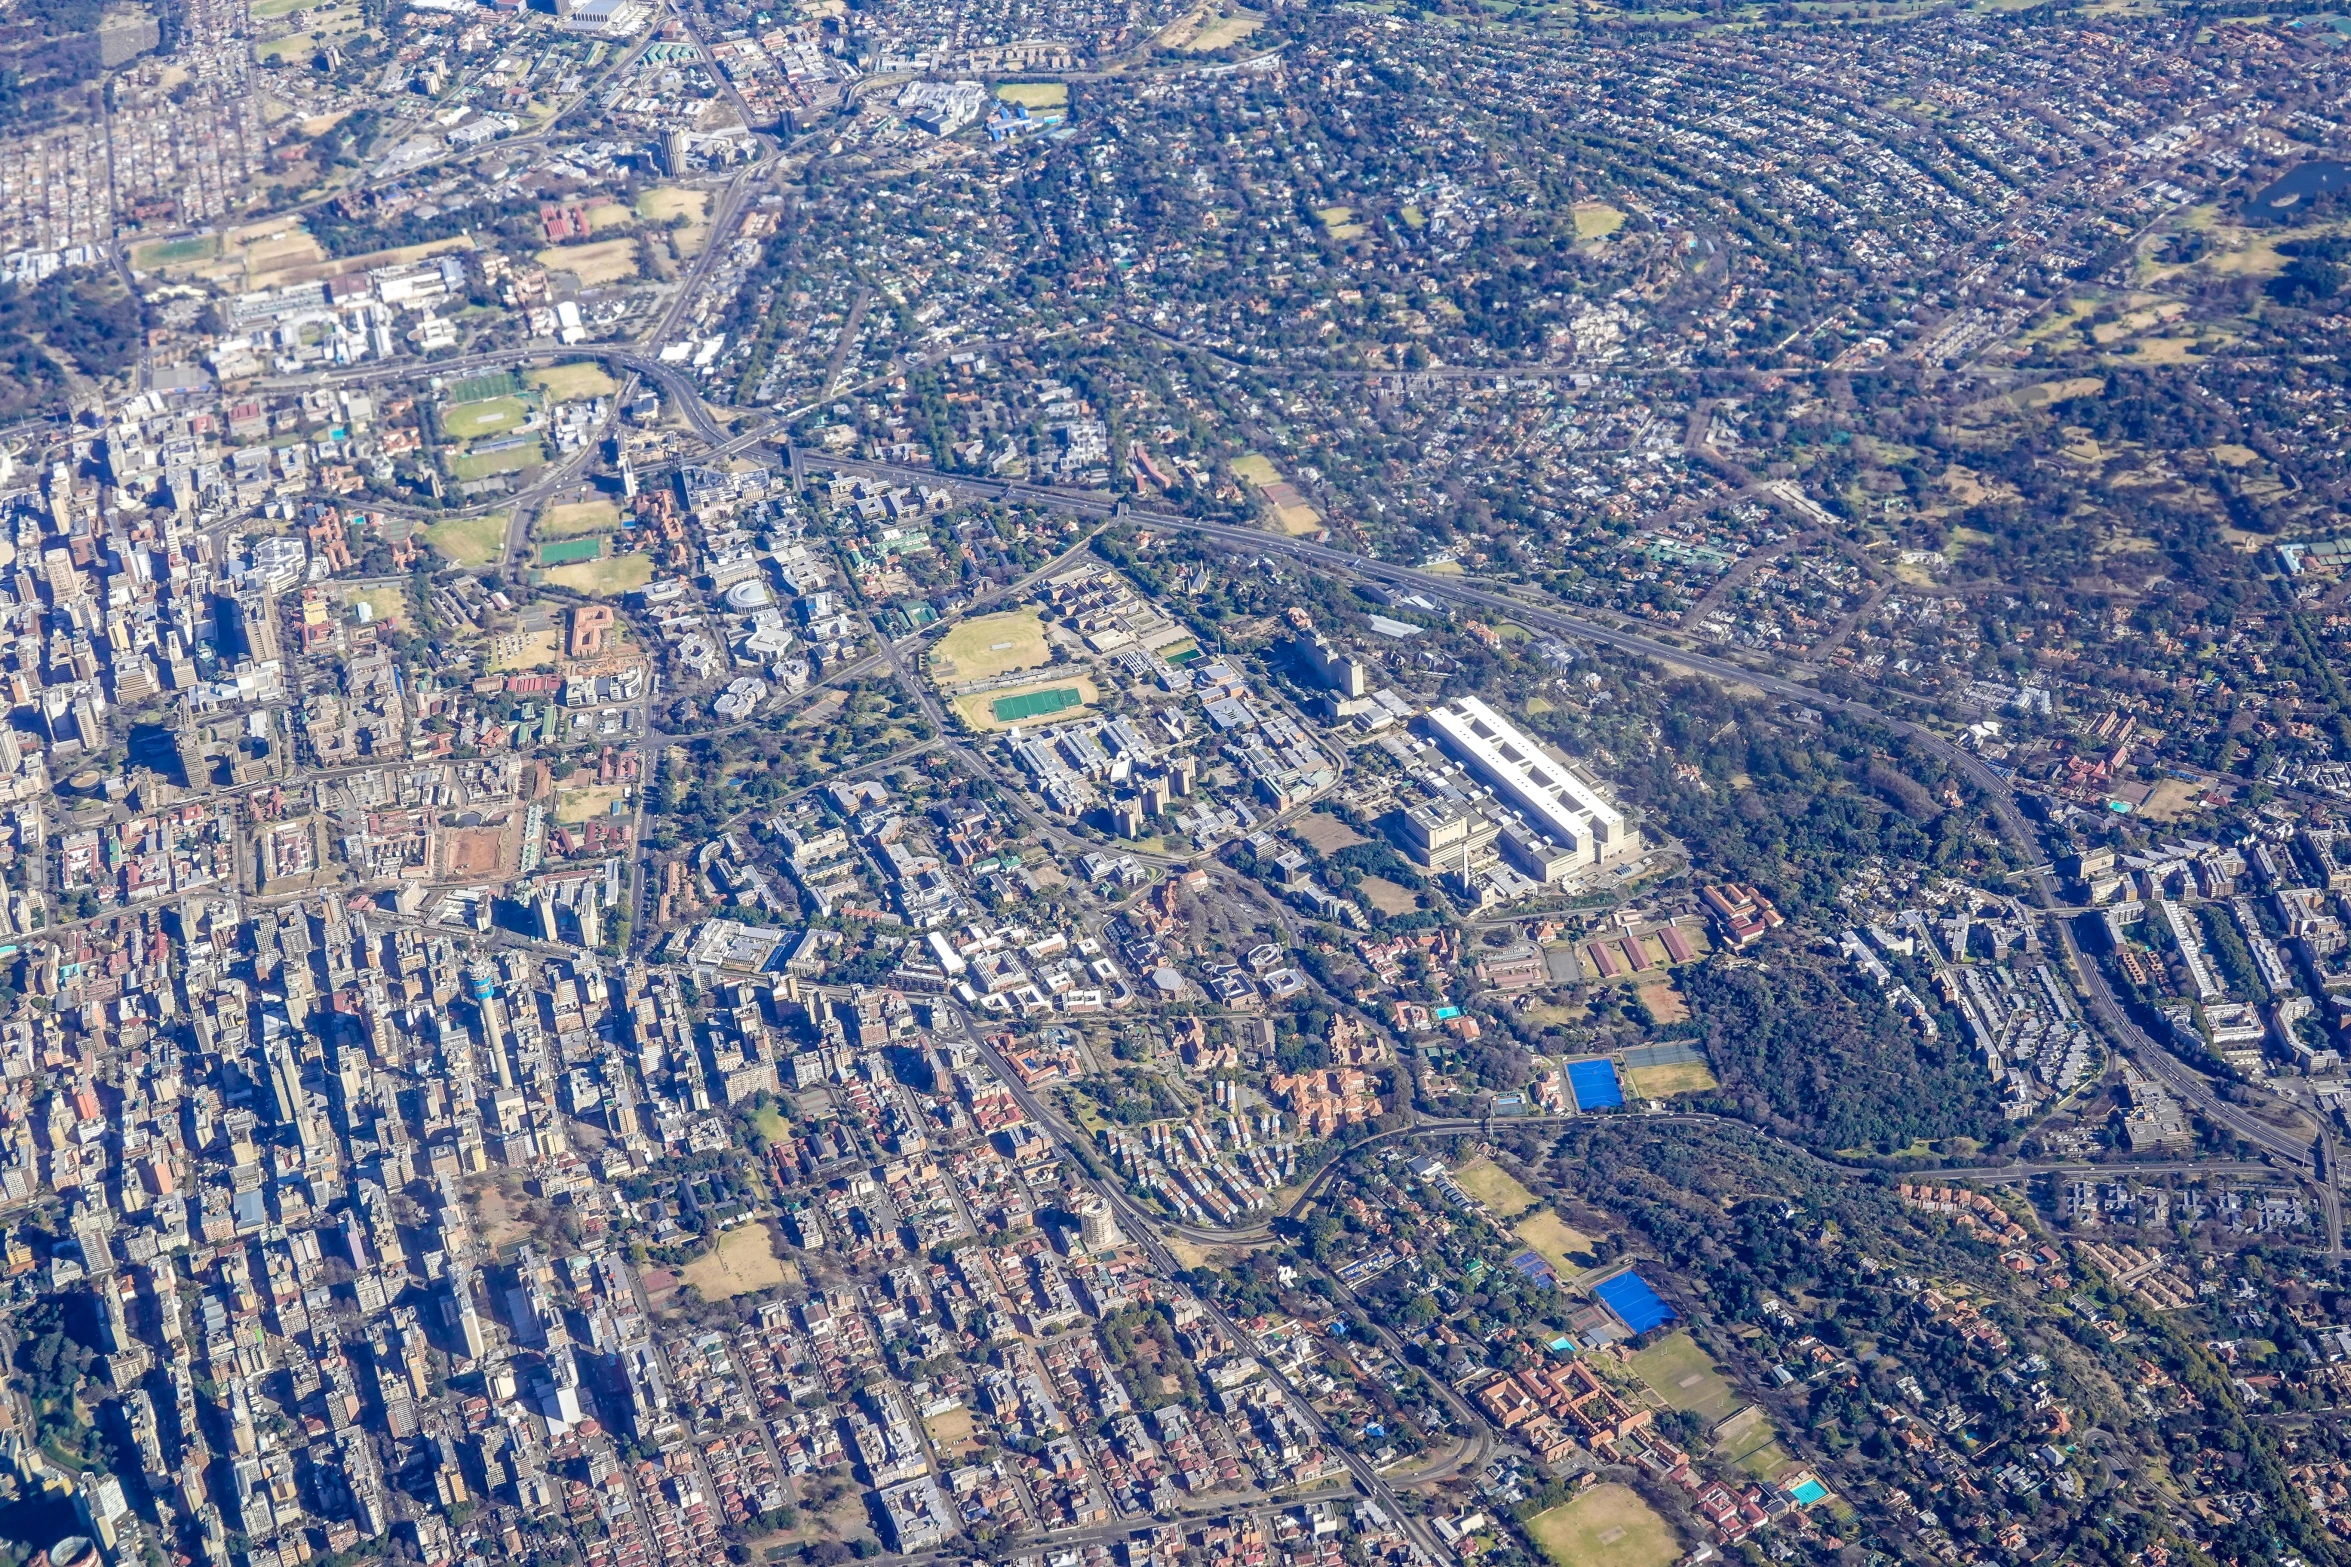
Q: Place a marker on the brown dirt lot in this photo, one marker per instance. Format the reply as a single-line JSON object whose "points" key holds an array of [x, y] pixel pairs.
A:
{"points": [[1325, 833]]}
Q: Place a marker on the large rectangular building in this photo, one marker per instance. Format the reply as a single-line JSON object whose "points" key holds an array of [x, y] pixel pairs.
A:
{"points": [[1555, 802]]}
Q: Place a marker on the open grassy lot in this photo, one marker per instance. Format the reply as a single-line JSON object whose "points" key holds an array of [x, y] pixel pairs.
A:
{"points": [[1607, 1526], [581, 517], [386, 605], [991, 645], [1389, 897], [469, 541], [743, 1260], [604, 578], [978, 709], [514, 459], [1036, 95], [604, 261], [1596, 220], [1225, 31], [467, 421], [1339, 222], [2049, 393], [1494, 1186], [1684, 1376], [573, 806], [664, 204], [573, 383], [1663, 1082], [1557, 1240], [1251, 468]]}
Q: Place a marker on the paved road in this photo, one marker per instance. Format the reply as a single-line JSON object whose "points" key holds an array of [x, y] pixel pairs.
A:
{"points": [[1145, 1229], [2294, 1143]]}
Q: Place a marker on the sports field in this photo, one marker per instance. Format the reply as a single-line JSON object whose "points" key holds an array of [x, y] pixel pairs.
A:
{"points": [[1748, 1440], [1036, 95], [514, 459], [569, 522], [1494, 1186], [467, 421], [573, 383], [481, 388], [1558, 1241], [620, 574], [163, 253], [565, 551], [1607, 1526], [1684, 1376], [1596, 220], [469, 541], [1036, 704], [990, 645], [1663, 1082], [980, 708]]}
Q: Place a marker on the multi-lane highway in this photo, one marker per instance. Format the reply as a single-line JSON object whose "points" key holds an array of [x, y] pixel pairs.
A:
{"points": [[2293, 1140]]}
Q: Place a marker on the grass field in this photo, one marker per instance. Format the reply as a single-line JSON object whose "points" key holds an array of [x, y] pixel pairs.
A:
{"points": [[743, 1260], [605, 261], [566, 522], [1596, 220], [1748, 1440], [483, 388], [1557, 1240], [527, 650], [586, 803], [1036, 95], [1252, 468], [1224, 32], [515, 459], [1494, 1186], [991, 645], [1339, 222], [169, 252], [573, 383], [467, 421], [978, 709], [2048, 393], [1607, 1526], [664, 204], [469, 541], [385, 605], [1684, 1376], [1663, 1082], [1389, 897], [620, 574]]}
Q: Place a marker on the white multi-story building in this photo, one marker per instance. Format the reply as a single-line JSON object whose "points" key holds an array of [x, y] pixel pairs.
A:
{"points": [[1556, 803]]}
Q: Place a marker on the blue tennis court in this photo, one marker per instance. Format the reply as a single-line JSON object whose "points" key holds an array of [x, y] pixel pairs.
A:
{"points": [[1594, 1084], [1630, 1297]]}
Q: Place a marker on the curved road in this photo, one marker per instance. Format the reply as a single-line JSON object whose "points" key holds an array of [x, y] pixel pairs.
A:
{"points": [[2297, 1146]]}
